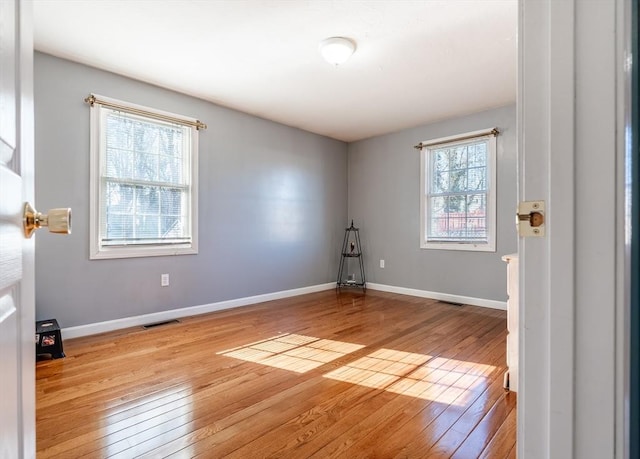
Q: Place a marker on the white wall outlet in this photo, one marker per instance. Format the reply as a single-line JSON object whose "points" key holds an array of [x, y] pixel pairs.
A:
{"points": [[164, 280], [382, 263]]}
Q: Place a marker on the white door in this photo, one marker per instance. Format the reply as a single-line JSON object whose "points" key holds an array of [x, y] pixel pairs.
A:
{"points": [[569, 144], [17, 304]]}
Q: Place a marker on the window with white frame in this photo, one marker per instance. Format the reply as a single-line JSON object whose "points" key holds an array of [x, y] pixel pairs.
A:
{"points": [[143, 181], [458, 197]]}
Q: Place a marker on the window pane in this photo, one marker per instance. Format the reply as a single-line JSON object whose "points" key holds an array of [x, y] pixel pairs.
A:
{"points": [[441, 182], [438, 226], [119, 132], [478, 154], [144, 150], [152, 212], [458, 180], [147, 226], [477, 216], [147, 200], [458, 157], [172, 227], [171, 201], [440, 160], [119, 198], [119, 163], [477, 204], [119, 226], [170, 169], [145, 137], [477, 179], [146, 167], [458, 217], [170, 142]]}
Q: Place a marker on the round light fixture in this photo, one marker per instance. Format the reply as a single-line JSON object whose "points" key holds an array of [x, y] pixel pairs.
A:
{"points": [[337, 50]]}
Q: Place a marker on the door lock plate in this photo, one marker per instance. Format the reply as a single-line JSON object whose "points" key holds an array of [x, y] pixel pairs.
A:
{"points": [[530, 219]]}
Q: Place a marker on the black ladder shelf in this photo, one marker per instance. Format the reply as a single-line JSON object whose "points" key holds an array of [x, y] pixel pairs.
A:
{"points": [[351, 248]]}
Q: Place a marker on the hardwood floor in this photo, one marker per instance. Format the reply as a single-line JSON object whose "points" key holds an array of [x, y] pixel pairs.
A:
{"points": [[347, 375]]}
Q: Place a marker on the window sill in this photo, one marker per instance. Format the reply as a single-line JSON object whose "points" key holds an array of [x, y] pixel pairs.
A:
{"points": [[461, 246], [106, 253]]}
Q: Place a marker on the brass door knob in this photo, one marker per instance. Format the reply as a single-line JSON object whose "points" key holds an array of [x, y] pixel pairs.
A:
{"points": [[57, 220]]}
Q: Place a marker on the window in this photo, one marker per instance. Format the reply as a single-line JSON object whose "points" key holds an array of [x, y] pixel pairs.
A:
{"points": [[143, 181], [458, 200]]}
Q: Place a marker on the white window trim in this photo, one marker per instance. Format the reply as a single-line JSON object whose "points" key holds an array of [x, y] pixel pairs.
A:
{"points": [[96, 250], [427, 146]]}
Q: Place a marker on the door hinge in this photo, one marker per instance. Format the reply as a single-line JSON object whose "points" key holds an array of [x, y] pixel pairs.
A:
{"points": [[530, 219]]}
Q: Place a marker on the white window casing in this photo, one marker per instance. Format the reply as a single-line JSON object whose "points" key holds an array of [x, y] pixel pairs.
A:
{"points": [[460, 172], [143, 182]]}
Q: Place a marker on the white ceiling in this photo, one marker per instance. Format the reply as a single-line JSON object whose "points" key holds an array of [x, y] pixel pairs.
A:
{"points": [[416, 61]]}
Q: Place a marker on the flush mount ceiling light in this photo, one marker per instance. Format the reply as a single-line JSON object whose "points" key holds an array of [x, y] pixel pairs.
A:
{"points": [[337, 50]]}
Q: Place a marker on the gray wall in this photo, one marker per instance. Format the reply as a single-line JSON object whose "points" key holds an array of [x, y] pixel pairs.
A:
{"points": [[384, 201], [272, 205]]}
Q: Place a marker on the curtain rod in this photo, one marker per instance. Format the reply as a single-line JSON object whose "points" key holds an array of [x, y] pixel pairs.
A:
{"points": [[474, 135], [91, 99]]}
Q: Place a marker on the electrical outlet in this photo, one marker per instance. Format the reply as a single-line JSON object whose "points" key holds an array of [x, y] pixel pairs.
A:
{"points": [[164, 280], [382, 263]]}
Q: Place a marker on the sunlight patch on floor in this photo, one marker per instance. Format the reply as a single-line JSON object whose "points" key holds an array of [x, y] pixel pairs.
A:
{"points": [[298, 353], [439, 379], [442, 380]]}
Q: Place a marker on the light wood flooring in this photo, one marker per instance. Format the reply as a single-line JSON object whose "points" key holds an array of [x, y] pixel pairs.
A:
{"points": [[325, 375]]}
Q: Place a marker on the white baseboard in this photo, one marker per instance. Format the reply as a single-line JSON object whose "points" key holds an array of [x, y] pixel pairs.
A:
{"points": [[126, 322], [493, 304]]}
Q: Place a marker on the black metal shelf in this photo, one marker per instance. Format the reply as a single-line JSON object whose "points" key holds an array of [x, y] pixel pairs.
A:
{"points": [[351, 248]]}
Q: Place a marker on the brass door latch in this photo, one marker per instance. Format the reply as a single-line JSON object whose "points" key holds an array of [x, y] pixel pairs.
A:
{"points": [[530, 219]]}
